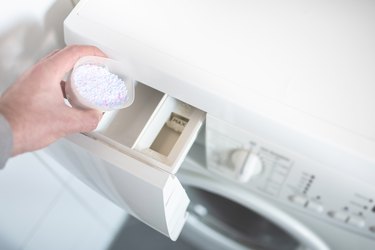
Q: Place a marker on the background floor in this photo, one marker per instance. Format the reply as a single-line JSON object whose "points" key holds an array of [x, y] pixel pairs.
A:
{"points": [[44, 207], [133, 233]]}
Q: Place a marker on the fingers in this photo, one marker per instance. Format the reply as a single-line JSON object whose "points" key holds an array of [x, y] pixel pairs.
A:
{"points": [[63, 60], [62, 85], [84, 120], [52, 53]]}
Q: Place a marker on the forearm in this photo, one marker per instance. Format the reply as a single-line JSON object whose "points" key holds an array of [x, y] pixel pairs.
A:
{"points": [[6, 141]]}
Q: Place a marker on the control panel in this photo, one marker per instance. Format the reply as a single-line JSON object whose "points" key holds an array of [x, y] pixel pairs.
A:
{"points": [[329, 195], [308, 185]]}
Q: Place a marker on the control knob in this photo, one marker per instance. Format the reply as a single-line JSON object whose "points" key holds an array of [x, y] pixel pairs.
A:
{"points": [[246, 164]]}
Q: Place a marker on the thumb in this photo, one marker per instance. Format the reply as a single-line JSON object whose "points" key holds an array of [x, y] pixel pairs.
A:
{"points": [[84, 120]]}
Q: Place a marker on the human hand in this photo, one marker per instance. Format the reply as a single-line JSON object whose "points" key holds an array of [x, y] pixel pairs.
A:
{"points": [[34, 105]]}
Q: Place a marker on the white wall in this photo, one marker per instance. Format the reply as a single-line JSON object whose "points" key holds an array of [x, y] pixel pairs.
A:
{"points": [[42, 206], [28, 30]]}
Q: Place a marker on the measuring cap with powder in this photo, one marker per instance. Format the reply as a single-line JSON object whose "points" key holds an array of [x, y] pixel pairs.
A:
{"points": [[100, 83]]}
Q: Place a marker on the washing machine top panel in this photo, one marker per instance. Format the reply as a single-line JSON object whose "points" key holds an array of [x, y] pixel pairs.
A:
{"points": [[308, 65]]}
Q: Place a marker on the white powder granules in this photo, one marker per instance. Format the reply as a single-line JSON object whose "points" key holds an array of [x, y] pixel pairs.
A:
{"points": [[100, 87]]}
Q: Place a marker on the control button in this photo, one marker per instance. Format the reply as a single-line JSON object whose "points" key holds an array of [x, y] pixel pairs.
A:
{"points": [[315, 206], [337, 215], [298, 199], [356, 221]]}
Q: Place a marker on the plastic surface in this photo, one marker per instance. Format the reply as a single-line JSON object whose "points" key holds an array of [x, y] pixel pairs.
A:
{"points": [[115, 67], [247, 164], [153, 196]]}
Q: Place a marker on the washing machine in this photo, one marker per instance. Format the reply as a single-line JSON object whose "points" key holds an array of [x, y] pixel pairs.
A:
{"points": [[275, 146]]}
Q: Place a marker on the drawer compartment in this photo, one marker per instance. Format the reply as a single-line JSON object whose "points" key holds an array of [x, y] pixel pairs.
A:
{"points": [[156, 129]]}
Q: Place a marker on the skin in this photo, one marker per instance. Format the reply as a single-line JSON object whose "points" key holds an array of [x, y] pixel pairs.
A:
{"points": [[34, 105]]}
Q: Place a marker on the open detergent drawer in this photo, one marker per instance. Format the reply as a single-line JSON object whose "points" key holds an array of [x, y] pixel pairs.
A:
{"points": [[132, 156], [156, 129]]}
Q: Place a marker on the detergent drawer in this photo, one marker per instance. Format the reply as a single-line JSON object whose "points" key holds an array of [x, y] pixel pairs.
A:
{"points": [[156, 129]]}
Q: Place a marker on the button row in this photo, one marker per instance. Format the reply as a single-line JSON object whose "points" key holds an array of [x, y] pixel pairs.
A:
{"points": [[342, 216], [337, 215], [345, 217], [304, 202]]}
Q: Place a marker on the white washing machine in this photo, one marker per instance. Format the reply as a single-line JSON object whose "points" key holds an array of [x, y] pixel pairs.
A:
{"points": [[283, 96]]}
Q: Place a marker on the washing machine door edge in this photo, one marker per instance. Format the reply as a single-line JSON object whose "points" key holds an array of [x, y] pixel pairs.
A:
{"points": [[300, 232]]}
